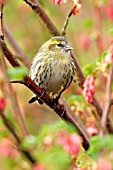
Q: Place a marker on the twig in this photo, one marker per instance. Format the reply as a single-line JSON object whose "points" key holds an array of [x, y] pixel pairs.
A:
{"points": [[1, 19], [9, 126], [67, 21], [98, 25], [111, 102], [38, 9], [108, 99], [14, 102], [18, 50], [59, 109]]}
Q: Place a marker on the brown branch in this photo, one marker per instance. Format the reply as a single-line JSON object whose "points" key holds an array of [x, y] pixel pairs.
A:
{"points": [[67, 21], [111, 102], [7, 53], [108, 99], [59, 109], [97, 15], [38, 9], [7, 123], [1, 18], [13, 100], [10, 128]]}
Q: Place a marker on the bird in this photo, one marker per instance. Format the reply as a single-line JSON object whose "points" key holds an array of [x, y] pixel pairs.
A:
{"points": [[53, 68]]}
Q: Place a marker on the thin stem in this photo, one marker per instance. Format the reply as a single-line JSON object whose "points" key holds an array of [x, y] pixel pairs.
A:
{"points": [[108, 99], [38, 9], [13, 101], [67, 21], [1, 19], [98, 25]]}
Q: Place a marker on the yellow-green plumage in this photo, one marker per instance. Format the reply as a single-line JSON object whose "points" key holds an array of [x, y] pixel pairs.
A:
{"points": [[53, 68]]}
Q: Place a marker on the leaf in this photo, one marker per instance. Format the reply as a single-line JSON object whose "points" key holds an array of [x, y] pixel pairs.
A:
{"points": [[74, 98], [17, 73], [111, 31], [59, 157], [29, 142], [98, 144], [89, 69], [100, 59], [87, 23]]}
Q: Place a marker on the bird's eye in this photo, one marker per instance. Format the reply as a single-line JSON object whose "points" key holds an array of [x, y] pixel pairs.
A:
{"points": [[60, 45]]}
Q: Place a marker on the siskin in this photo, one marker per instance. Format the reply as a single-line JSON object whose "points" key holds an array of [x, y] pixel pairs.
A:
{"points": [[53, 68]]}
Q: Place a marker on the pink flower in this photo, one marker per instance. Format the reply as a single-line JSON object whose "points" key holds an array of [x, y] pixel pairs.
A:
{"points": [[89, 89], [84, 42], [48, 141], [2, 103], [8, 149], [77, 8], [103, 164], [71, 143], [92, 131], [109, 12], [38, 167]]}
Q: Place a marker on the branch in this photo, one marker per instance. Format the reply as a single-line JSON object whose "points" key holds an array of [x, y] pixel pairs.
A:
{"points": [[38, 9], [59, 109], [97, 15], [67, 21], [13, 100], [108, 99], [10, 128]]}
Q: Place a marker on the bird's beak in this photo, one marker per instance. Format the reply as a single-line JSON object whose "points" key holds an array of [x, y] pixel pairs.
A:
{"points": [[68, 48]]}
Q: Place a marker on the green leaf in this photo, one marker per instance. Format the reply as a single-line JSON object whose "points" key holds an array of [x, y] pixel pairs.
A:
{"points": [[17, 73], [111, 31], [100, 59], [59, 157], [29, 142], [87, 23], [99, 144], [89, 69], [74, 98]]}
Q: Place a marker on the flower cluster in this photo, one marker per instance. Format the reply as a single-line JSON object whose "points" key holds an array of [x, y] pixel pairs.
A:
{"points": [[71, 143], [89, 89]]}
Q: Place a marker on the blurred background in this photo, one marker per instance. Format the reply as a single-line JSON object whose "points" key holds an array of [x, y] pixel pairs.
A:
{"points": [[89, 32]]}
